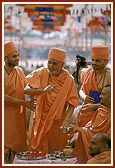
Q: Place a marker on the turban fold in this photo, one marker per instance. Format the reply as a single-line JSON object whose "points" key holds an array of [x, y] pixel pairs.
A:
{"points": [[9, 47], [57, 54], [100, 52]]}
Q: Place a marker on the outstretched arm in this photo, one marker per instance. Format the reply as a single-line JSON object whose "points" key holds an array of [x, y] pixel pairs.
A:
{"points": [[30, 91]]}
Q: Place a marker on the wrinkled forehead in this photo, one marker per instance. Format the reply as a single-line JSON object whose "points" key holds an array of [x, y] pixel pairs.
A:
{"points": [[54, 61]]}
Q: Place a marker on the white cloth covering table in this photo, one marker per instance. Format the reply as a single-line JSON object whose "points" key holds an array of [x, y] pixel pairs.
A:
{"points": [[45, 161]]}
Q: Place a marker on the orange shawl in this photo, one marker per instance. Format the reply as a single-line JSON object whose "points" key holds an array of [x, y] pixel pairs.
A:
{"points": [[14, 120], [89, 83], [50, 105], [101, 122], [102, 158]]}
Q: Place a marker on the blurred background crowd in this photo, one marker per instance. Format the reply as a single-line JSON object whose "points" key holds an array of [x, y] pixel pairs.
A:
{"points": [[75, 27]]}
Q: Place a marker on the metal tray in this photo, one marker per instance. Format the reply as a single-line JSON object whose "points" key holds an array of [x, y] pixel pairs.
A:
{"points": [[31, 155]]}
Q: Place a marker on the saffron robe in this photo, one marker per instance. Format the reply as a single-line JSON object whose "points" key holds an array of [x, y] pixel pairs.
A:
{"points": [[100, 123], [102, 158], [14, 115], [51, 109], [89, 84]]}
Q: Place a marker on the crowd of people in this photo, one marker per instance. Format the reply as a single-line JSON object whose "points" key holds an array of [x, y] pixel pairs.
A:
{"points": [[55, 95]]}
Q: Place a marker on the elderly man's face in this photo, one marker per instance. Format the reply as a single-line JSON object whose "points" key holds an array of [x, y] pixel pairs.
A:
{"points": [[95, 146], [54, 66]]}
